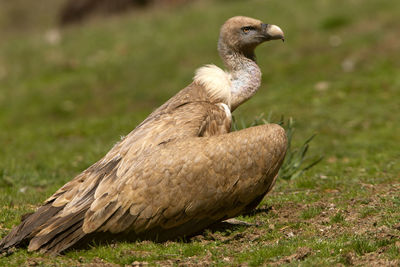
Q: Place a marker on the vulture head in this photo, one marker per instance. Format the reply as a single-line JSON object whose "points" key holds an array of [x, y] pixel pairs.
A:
{"points": [[243, 34]]}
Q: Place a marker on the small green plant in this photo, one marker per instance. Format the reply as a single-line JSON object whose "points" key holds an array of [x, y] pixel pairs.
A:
{"points": [[396, 200], [311, 213], [362, 245], [367, 211], [296, 162], [337, 218]]}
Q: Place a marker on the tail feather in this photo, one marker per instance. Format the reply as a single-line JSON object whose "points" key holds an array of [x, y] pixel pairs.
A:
{"points": [[65, 240], [57, 233], [46, 230], [23, 232], [50, 229]]}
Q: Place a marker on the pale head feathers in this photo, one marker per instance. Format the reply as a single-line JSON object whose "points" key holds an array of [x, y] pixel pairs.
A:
{"points": [[216, 82], [243, 33], [231, 35]]}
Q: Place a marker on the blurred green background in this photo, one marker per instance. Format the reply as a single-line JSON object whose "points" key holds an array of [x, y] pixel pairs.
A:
{"points": [[67, 93]]}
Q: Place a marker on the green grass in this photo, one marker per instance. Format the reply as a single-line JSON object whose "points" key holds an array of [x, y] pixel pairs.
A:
{"points": [[310, 213], [337, 218], [63, 106]]}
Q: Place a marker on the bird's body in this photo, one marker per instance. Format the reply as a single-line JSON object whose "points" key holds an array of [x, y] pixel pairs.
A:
{"points": [[176, 173]]}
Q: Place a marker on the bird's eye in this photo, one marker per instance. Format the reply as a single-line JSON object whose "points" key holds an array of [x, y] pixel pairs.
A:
{"points": [[247, 29]]}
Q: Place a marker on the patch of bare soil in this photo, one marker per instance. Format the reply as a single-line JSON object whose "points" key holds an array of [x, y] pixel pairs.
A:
{"points": [[370, 259], [300, 255], [42, 261], [190, 261], [100, 263], [34, 262]]}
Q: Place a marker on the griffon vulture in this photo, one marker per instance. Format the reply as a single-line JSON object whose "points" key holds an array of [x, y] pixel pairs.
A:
{"points": [[180, 170]]}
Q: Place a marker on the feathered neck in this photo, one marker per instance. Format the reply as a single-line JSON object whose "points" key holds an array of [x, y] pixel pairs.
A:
{"points": [[245, 75], [235, 86]]}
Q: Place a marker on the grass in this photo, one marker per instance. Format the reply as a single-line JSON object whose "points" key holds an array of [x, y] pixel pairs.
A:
{"points": [[337, 218], [63, 105], [310, 213]]}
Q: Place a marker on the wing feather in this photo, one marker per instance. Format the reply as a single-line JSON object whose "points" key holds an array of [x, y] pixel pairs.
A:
{"points": [[215, 195], [186, 120]]}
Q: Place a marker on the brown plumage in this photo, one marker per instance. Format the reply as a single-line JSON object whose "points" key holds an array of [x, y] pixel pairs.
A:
{"points": [[180, 170]]}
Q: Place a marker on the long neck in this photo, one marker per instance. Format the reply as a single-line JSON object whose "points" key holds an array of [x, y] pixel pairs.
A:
{"points": [[244, 71]]}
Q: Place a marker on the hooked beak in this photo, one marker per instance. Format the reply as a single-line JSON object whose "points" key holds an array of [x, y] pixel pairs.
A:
{"points": [[273, 32]]}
